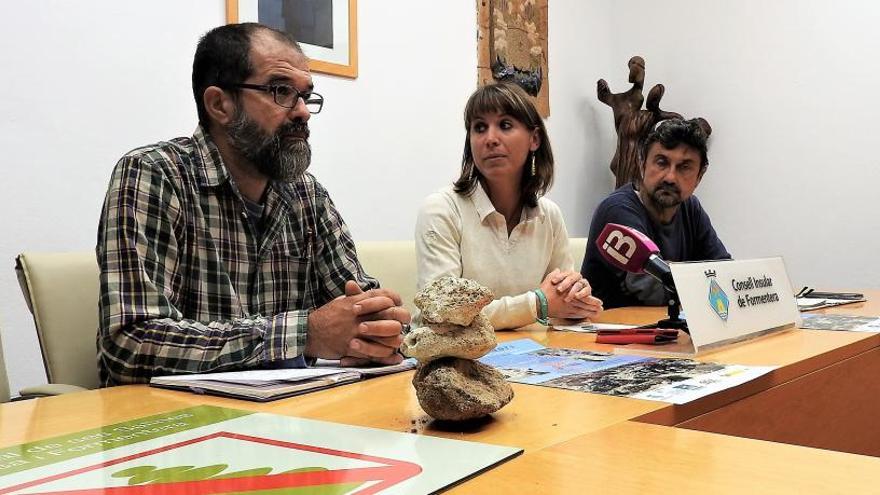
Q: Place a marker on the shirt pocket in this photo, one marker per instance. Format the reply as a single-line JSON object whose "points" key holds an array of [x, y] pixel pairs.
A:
{"points": [[290, 281]]}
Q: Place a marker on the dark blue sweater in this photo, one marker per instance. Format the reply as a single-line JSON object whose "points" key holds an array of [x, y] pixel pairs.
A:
{"points": [[688, 237]]}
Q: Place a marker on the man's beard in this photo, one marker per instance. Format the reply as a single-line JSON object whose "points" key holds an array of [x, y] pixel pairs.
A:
{"points": [[662, 201], [284, 155]]}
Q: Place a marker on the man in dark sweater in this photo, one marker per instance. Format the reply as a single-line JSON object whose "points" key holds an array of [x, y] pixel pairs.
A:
{"points": [[663, 207]]}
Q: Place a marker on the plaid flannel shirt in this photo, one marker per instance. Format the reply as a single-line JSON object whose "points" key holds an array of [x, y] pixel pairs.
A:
{"points": [[187, 287]]}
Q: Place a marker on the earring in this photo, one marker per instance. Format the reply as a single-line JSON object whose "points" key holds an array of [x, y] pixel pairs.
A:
{"points": [[471, 173], [533, 165]]}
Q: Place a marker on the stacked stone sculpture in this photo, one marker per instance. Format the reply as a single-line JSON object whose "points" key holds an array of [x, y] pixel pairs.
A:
{"points": [[449, 384]]}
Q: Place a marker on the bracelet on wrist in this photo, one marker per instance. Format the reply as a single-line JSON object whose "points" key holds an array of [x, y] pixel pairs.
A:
{"points": [[542, 307]]}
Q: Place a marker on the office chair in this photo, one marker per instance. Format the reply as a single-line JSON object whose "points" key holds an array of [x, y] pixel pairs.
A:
{"points": [[578, 248], [393, 263], [28, 392], [4, 383], [61, 291]]}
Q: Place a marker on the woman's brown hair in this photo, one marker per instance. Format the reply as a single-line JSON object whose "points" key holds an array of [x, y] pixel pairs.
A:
{"points": [[508, 99]]}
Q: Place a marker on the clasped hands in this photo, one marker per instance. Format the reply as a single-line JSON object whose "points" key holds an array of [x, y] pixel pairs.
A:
{"points": [[569, 295], [359, 328]]}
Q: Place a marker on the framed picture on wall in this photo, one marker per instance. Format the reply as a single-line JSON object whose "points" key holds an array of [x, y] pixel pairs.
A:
{"points": [[325, 29]]}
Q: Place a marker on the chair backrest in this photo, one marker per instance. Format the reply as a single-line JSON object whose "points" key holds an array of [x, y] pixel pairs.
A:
{"points": [[62, 290], [578, 246], [393, 263], [4, 383]]}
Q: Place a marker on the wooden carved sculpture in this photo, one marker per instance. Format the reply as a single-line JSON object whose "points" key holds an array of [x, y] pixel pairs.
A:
{"points": [[632, 123]]}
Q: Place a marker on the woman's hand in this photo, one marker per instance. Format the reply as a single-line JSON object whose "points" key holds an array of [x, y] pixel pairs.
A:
{"points": [[569, 296]]}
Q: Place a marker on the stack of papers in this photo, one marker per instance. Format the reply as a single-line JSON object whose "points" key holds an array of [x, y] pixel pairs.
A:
{"points": [[266, 385], [810, 299]]}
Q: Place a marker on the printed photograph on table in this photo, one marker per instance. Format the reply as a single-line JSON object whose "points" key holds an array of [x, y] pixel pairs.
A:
{"points": [[524, 361], [325, 29], [638, 377], [847, 323], [677, 381]]}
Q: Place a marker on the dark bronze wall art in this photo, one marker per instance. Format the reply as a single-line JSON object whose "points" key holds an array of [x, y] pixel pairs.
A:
{"points": [[512, 46]]}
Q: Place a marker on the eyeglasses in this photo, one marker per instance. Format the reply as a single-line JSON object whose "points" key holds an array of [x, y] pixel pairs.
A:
{"points": [[286, 96]]}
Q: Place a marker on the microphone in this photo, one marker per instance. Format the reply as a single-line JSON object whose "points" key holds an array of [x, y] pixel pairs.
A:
{"points": [[627, 249]]}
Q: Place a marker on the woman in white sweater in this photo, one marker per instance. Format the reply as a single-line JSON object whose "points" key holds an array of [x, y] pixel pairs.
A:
{"points": [[493, 225]]}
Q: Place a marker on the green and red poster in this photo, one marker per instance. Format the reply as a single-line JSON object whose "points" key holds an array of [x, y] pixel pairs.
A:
{"points": [[212, 450]]}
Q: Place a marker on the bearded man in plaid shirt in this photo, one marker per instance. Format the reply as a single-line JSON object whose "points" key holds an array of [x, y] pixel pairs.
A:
{"points": [[219, 251]]}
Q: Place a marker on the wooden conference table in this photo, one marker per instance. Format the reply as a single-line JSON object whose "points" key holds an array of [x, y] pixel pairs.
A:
{"points": [[822, 401]]}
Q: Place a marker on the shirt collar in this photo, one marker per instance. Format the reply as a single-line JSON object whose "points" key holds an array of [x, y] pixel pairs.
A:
{"points": [[482, 202], [533, 213], [484, 207], [210, 170]]}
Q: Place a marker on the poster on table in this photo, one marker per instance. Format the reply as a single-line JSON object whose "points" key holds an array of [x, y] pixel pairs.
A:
{"points": [[208, 449]]}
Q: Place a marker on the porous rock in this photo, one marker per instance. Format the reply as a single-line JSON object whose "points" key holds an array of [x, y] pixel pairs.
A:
{"points": [[460, 389], [439, 340], [452, 300]]}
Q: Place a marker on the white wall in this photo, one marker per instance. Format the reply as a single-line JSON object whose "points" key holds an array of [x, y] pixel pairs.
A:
{"points": [[791, 89], [83, 82], [788, 87], [87, 81]]}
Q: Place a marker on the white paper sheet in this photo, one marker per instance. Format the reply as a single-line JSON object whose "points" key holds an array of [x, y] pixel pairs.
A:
{"points": [[257, 376], [592, 327]]}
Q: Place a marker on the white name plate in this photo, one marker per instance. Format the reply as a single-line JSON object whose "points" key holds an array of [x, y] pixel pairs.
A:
{"points": [[729, 301]]}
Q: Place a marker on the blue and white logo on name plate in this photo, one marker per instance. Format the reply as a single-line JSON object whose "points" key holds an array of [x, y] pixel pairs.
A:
{"points": [[717, 298]]}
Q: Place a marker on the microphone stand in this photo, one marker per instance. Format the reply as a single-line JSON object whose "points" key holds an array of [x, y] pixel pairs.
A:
{"points": [[659, 269], [673, 308]]}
